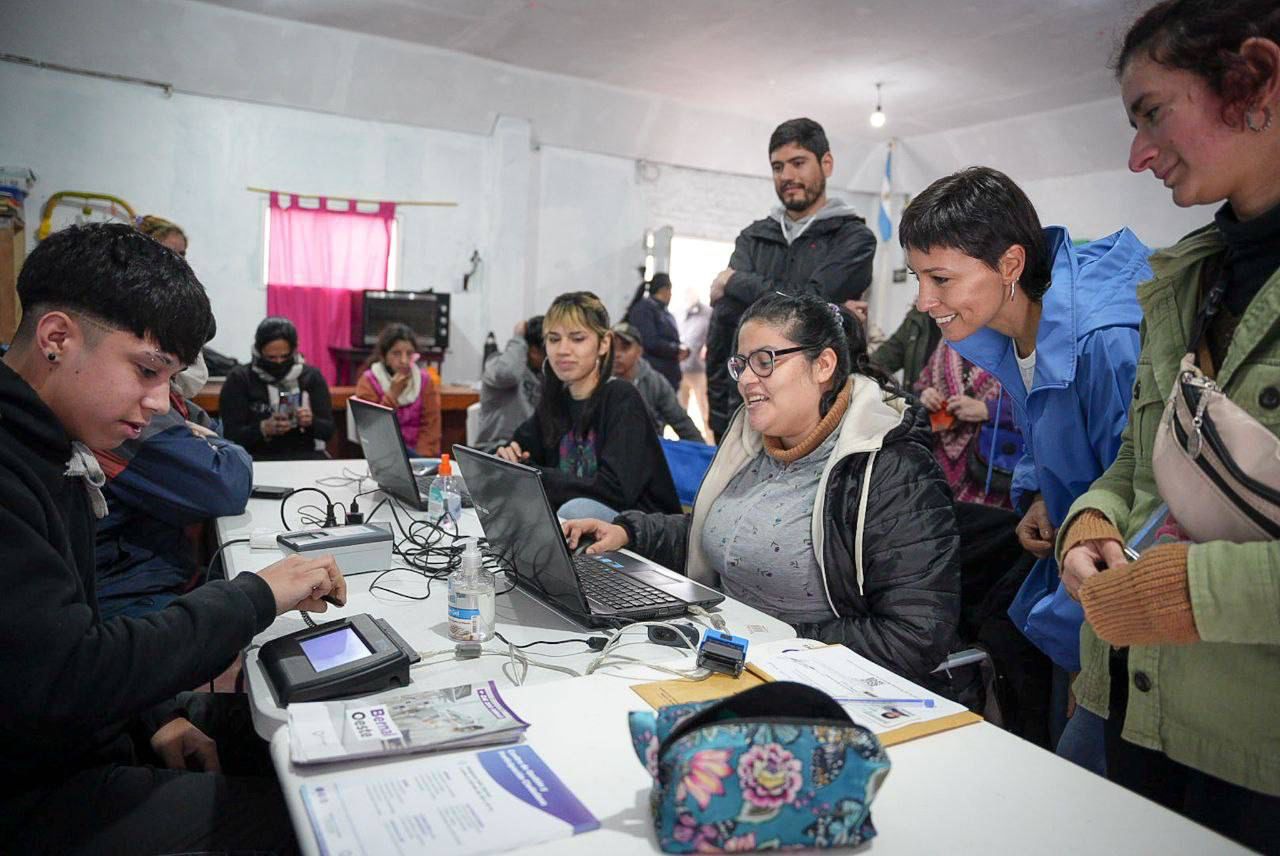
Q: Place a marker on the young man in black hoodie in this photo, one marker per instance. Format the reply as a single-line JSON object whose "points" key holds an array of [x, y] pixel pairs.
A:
{"points": [[98, 753]]}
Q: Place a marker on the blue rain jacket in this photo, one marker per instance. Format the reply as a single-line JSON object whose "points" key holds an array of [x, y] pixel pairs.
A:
{"points": [[1086, 358]]}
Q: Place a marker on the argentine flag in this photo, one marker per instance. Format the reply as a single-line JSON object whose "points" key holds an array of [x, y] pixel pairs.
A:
{"points": [[886, 222]]}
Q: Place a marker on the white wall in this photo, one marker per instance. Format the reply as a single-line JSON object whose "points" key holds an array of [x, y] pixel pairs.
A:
{"points": [[210, 50], [545, 219]]}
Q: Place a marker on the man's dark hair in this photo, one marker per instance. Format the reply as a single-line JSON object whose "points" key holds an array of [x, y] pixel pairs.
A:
{"points": [[982, 213], [805, 133], [120, 278], [1204, 37], [533, 332]]}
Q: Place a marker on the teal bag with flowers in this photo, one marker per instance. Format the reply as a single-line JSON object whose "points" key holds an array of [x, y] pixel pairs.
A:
{"points": [[776, 766]]}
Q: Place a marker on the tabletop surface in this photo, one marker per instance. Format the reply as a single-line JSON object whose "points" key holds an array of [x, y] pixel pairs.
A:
{"points": [[976, 789], [423, 623]]}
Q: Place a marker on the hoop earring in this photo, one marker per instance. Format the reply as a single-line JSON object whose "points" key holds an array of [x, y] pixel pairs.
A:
{"points": [[1266, 120]]}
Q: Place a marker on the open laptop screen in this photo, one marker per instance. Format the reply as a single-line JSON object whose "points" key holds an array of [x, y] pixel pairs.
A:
{"points": [[521, 527], [384, 450]]}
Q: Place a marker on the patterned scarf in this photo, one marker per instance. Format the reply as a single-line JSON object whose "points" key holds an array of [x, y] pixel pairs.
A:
{"points": [[951, 374]]}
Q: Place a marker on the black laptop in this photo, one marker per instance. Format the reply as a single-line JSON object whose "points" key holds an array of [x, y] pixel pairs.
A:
{"points": [[597, 591], [384, 449]]}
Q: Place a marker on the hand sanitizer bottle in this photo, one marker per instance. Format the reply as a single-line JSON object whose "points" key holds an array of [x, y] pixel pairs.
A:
{"points": [[471, 598], [444, 499]]}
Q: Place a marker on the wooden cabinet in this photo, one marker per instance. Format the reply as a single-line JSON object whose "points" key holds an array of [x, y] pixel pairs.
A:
{"points": [[13, 249]]}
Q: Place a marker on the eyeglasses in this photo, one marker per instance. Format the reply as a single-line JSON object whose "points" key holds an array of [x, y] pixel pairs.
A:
{"points": [[761, 361]]}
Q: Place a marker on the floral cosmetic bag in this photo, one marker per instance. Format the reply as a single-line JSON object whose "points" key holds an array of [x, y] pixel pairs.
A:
{"points": [[776, 766]]}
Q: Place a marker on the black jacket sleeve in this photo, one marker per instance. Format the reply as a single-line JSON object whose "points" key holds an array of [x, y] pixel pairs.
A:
{"points": [[69, 675], [529, 436], [911, 567], [661, 538], [238, 423], [321, 405], [844, 274], [625, 438]]}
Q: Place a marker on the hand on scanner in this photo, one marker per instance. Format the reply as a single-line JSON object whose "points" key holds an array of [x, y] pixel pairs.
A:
{"points": [[305, 583]]}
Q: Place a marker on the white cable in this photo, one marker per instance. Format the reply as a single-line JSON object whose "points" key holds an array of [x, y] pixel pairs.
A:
{"points": [[613, 643], [717, 621]]}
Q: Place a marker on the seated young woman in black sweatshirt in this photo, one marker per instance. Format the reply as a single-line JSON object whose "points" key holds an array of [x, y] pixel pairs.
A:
{"points": [[95, 747], [591, 435], [277, 407]]}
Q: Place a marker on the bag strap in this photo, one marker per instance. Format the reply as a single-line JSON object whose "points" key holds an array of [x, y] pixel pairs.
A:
{"points": [[1211, 303]]}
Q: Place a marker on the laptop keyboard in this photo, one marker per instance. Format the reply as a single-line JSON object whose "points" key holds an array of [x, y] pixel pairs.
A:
{"points": [[617, 591]]}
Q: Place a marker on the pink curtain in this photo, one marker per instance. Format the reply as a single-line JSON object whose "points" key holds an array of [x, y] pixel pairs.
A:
{"points": [[318, 263]]}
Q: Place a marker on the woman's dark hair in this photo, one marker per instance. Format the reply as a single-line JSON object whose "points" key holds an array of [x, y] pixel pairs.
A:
{"points": [[390, 335], [1204, 37], [982, 213], [651, 287], [817, 325], [120, 278], [580, 309], [804, 132], [274, 327]]}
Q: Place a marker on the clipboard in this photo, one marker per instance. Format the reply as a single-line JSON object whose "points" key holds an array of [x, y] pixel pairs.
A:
{"points": [[680, 691]]}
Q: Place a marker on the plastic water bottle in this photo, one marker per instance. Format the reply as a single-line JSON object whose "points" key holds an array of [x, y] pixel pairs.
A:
{"points": [[444, 498], [471, 598]]}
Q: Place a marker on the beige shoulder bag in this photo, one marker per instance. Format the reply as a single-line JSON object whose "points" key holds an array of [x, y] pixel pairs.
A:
{"points": [[1216, 466]]}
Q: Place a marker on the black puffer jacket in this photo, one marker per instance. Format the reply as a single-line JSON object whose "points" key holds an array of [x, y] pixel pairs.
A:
{"points": [[900, 605], [832, 259]]}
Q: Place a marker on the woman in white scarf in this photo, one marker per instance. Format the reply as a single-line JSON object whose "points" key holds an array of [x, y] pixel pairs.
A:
{"points": [[394, 379]]}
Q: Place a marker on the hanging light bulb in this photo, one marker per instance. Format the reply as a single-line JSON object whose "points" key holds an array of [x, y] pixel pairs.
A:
{"points": [[878, 118]]}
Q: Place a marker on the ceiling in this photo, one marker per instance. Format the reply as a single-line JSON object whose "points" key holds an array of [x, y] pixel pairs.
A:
{"points": [[944, 63]]}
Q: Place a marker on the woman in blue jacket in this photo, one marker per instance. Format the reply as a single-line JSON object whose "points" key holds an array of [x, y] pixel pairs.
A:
{"points": [[1058, 325]]}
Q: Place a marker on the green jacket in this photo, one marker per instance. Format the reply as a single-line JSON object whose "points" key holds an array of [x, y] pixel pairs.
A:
{"points": [[1213, 705], [910, 347]]}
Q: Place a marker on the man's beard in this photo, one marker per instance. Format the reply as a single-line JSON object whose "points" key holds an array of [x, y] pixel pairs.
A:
{"points": [[811, 195]]}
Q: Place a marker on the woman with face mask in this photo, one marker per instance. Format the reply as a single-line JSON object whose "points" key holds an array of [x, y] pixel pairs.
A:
{"points": [[277, 407], [1181, 650], [394, 379], [824, 506]]}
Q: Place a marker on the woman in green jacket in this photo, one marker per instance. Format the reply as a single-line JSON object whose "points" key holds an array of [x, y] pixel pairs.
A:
{"points": [[1181, 652]]}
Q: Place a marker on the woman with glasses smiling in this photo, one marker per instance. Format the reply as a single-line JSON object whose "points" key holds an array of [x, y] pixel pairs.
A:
{"points": [[824, 506]]}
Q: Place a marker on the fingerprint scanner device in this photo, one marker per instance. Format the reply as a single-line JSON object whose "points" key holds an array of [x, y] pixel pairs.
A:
{"points": [[338, 659], [722, 652], [356, 548]]}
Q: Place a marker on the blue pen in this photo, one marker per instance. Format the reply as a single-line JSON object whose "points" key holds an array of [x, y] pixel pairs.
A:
{"points": [[927, 702]]}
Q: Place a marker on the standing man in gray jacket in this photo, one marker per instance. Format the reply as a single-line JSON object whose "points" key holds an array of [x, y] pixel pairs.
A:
{"points": [[511, 384], [809, 244], [659, 397]]}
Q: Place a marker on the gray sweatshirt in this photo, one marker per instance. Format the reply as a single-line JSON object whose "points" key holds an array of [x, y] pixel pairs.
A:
{"points": [[663, 405], [509, 393]]}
